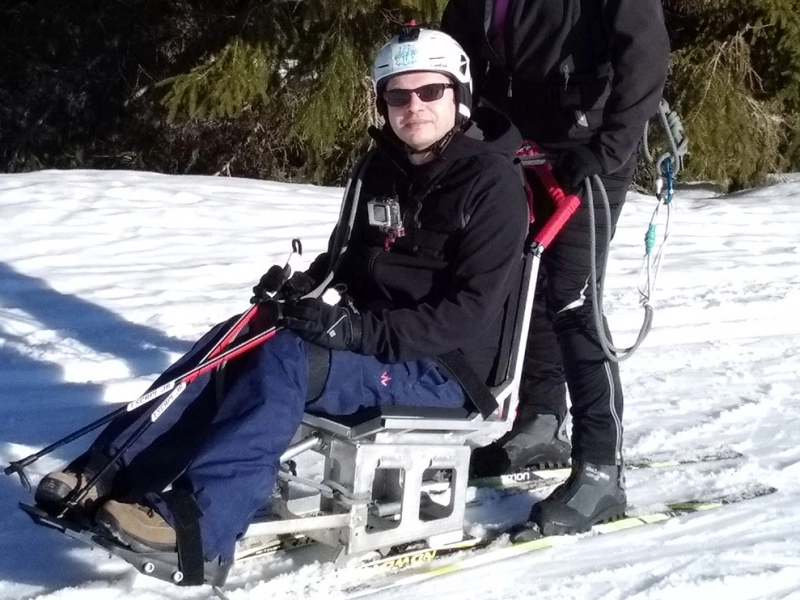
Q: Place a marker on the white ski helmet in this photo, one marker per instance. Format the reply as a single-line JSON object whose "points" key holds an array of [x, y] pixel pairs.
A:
{"points": [[416, 49]]}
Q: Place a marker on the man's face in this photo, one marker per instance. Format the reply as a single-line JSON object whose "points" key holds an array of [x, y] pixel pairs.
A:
{"points": [[417, 123]]}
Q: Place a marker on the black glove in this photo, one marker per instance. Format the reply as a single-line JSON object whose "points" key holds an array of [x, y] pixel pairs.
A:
{"points": [[269, 284], [299, 285], [575, 165], [276, 281], [334, 327]]}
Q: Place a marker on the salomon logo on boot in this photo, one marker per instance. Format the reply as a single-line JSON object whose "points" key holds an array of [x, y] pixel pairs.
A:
{"points": [[595, 474]]}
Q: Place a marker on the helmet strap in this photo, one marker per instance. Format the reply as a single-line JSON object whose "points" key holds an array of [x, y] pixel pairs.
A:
{"points": [[437, 147]]}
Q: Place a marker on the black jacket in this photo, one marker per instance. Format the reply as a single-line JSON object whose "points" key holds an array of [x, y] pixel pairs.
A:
{"points": [[568, 72], [443, 285]]}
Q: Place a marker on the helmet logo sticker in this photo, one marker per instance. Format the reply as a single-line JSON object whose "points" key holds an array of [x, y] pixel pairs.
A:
{"points": [[405, 56]]}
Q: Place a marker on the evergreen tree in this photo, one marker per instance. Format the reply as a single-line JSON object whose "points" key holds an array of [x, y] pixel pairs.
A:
{"points": [[278, 89], [304, 67], [259, 88], [736, 75]]}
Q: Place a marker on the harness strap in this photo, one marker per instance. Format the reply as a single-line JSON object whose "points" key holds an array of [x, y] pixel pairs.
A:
{"points": [[183, 506], [475, 389]]}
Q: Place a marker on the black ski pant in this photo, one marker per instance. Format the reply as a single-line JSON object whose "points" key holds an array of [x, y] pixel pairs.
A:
{"points": [[563, 345]]}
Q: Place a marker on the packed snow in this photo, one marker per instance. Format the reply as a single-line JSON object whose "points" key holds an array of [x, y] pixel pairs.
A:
{"points": [[107, 277]]}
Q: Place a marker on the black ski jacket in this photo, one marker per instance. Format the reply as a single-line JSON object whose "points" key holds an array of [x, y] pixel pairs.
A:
{"points": [[443, 285], [568, 72]]}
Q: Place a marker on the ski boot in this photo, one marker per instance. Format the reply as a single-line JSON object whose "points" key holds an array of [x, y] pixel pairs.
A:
{"points": [[592, 494], [137, 526], [55, 489], [55, 493], [538, 443]]}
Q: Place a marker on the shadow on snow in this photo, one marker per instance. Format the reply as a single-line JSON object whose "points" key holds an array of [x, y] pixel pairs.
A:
{"points": [[37, 407]]}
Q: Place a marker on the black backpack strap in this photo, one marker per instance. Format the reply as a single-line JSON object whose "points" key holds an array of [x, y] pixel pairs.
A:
{"points": [[475, 389], [347, 212], [183, 506]]}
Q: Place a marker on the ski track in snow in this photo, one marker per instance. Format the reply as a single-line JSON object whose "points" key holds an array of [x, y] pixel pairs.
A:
{"points": [[106, 277]]}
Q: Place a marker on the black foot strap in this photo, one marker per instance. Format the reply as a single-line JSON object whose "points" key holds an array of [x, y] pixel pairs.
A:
{"points": [[184, 508]]}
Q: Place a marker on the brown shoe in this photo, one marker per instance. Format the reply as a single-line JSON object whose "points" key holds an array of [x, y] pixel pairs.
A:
{"points": [[54, 489], [137, 526]]}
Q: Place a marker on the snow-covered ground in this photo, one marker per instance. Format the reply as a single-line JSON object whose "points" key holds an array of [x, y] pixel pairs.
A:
{"points": [[106, 277]]}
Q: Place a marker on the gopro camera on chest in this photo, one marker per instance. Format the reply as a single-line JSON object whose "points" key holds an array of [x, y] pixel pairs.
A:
{"points": [[385, 215]]}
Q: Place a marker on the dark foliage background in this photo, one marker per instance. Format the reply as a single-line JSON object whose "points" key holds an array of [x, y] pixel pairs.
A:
{"points": [[736, 76], [278, 89]]}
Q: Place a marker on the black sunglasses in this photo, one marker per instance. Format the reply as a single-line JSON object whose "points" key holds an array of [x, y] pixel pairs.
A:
{"points": [[426, 93]]}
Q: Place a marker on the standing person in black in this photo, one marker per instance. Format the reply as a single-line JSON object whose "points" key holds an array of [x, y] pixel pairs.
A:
{"points": [[580, 78]]}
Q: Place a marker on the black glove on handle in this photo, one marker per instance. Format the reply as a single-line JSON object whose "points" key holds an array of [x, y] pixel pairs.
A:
{"points": [[269, 284], [335, 327], [575, 165], [277, 281], [299, 285]]}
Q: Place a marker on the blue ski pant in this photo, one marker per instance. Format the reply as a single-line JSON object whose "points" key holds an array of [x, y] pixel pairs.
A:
{"points": [[231, 454]]}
